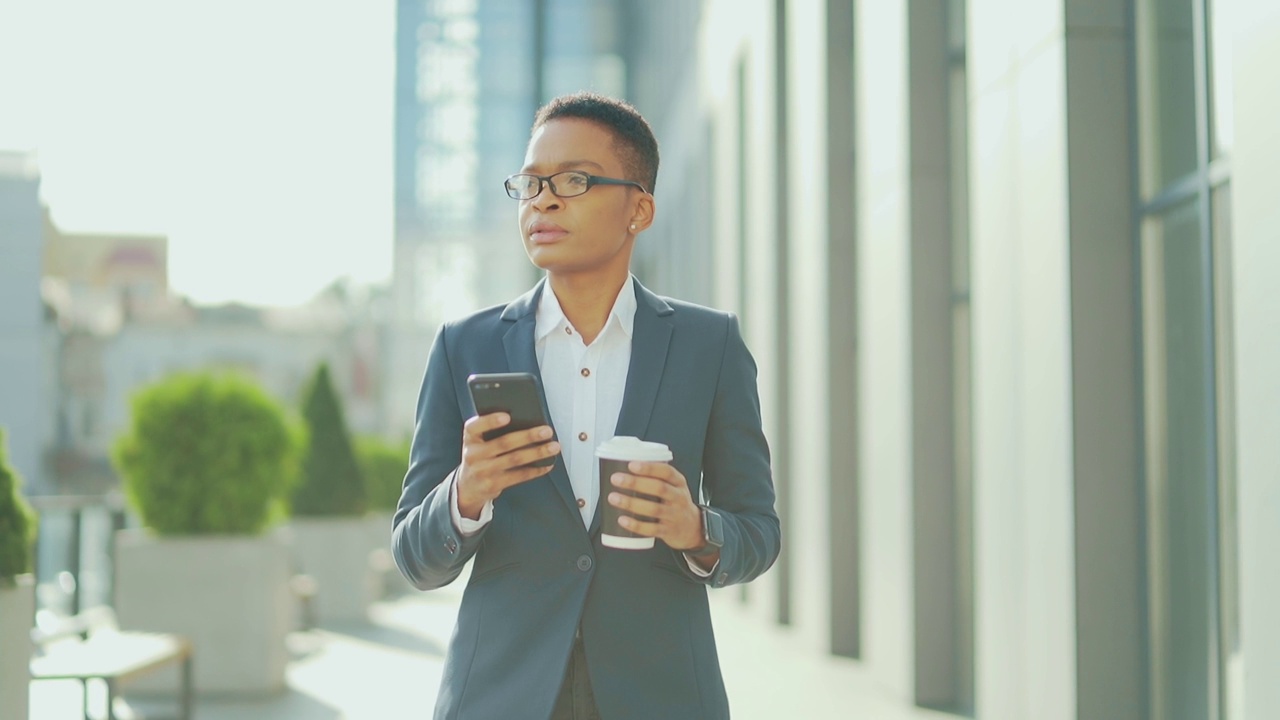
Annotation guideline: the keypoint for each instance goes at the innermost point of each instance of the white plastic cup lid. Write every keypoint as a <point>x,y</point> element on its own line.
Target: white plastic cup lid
<point>626,447</point>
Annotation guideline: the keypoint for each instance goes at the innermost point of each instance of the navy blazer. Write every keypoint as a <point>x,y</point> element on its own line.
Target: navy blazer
<point>539,574</point>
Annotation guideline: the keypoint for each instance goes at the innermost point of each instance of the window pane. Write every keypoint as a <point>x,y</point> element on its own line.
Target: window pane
<point>1166,92</point>
<point>1221,96</point>
<point>1179,452</point>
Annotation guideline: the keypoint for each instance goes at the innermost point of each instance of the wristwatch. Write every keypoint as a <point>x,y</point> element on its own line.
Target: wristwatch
<point>712,533</point>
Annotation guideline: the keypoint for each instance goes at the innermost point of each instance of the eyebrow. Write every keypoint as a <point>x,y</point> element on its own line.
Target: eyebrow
<point>571,164</point>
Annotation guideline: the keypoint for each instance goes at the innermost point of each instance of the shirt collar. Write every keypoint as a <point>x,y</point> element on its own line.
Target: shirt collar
<point>551,316</point>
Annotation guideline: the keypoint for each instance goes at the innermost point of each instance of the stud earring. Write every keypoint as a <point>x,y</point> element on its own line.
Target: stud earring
<point>633,226</point>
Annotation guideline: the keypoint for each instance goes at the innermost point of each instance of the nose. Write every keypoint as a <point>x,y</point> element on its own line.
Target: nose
<point>545,199</point>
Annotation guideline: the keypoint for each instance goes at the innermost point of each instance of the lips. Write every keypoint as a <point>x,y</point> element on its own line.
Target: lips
<point>542,233</point>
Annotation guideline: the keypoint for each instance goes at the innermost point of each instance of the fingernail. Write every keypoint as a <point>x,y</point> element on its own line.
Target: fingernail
<point>545,432</point>
<point>615,498</point>
<point>553,447</point>
<point>504,418</point>
<point>619,479</point>
<point>636,466</point>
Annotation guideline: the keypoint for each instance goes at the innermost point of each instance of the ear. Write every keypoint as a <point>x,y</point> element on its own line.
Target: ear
<point>642,214</point>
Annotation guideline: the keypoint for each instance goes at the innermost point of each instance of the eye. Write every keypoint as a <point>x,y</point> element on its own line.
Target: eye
<point>524,184</point>
<point>575,181</point>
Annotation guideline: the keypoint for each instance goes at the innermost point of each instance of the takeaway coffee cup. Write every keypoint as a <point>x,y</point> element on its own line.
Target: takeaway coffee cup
<point>614,454</point>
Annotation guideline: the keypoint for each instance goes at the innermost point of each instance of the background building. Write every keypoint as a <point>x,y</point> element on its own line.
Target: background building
<point>1005,268</point>
<point>470,75</point>
<point>25,379</point>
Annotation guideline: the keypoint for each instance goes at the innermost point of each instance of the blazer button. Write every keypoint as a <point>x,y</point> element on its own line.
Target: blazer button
<point>584,562</point>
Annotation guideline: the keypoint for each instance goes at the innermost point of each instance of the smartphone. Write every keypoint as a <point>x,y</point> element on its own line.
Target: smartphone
<point>515,394</point>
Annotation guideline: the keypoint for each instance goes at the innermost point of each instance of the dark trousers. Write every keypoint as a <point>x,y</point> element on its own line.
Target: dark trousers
<point>576,701</point>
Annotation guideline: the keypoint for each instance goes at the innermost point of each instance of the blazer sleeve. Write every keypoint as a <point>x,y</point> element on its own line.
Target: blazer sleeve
<point>736,476</point>
<point>427,548</point>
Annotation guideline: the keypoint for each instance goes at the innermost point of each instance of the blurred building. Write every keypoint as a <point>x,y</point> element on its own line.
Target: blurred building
<point>1008,269</point>
<point>469,76</point>
<point>25,380</point>
<point>1008,272</point>
<point>101,280</point>
<point>117,328</point>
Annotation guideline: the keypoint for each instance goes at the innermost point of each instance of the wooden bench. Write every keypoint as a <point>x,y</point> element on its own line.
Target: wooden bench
<point>90,646</point>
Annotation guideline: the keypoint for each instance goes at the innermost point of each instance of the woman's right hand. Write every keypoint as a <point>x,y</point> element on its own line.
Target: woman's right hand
<point>490,467</point>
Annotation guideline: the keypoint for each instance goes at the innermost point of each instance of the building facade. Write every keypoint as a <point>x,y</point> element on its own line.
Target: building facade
<point>25,379</point>
<point>1007,268</point>
<point>469,76</point>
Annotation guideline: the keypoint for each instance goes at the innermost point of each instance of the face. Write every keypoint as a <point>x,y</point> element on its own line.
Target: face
<point>589,233</point>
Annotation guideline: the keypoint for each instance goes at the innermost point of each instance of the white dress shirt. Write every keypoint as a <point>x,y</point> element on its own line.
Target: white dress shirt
<point>584,385</point>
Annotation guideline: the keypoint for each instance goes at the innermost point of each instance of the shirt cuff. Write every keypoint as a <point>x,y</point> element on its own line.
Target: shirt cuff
<point>467,527</point>
<point>696,568</point>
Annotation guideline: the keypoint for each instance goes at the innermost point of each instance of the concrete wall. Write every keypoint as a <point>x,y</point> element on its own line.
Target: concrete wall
<point>1256,225</point>
<point>1025,625</point>
<point>883,341</point>
<point>808,319</point>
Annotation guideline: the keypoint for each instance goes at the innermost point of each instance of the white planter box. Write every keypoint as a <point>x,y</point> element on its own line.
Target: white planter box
<point>391,584</point>
<point>336,553</point>
<point>229,594</point>
<point>17,609</point>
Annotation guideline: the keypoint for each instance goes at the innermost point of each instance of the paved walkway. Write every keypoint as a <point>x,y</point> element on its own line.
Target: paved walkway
<point>390,668</point>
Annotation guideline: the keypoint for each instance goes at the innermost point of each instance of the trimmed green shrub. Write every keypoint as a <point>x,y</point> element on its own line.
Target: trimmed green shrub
<point>331,483</point>
<point>384,465</point>
<point>206,455</point>
<point>17,521</point>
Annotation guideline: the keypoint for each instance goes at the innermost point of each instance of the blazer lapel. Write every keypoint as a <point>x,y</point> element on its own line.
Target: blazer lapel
<point>518,342</point>
<point>650,340</point>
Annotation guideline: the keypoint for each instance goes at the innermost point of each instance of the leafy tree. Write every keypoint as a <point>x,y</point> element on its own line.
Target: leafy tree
<point>383,464</point>
<point>17,521</point>
<point>331,483</point>
<point>205,455</point>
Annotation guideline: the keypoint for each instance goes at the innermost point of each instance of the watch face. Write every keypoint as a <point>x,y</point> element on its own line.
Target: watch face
<point>714,525</point>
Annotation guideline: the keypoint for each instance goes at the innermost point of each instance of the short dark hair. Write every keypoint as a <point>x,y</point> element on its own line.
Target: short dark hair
<point>632,137</point>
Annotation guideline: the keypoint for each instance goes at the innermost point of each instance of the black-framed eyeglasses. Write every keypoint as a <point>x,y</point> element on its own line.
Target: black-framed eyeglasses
<point>570,183</point>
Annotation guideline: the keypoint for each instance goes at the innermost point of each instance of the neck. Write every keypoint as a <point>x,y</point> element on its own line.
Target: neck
<point>586,301</point>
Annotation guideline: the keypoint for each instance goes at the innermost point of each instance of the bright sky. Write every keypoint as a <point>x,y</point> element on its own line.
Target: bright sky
<point>256,134</point>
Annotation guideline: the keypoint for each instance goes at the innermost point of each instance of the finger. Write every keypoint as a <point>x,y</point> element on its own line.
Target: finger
<point>477,426</point>
<point>638,506</point>
<point>526,455</point>
<point>648,485</point>
<point>662,471</point>
<point>517,476</point>
<point>640,527</point>
<point>521,438</point>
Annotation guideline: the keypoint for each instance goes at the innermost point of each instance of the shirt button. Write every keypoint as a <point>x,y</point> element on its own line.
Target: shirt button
<point>582,503</point>
<point>582,436</point>
<point>586,372</point>
<point>584,563</point>
<point>568,331</point>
